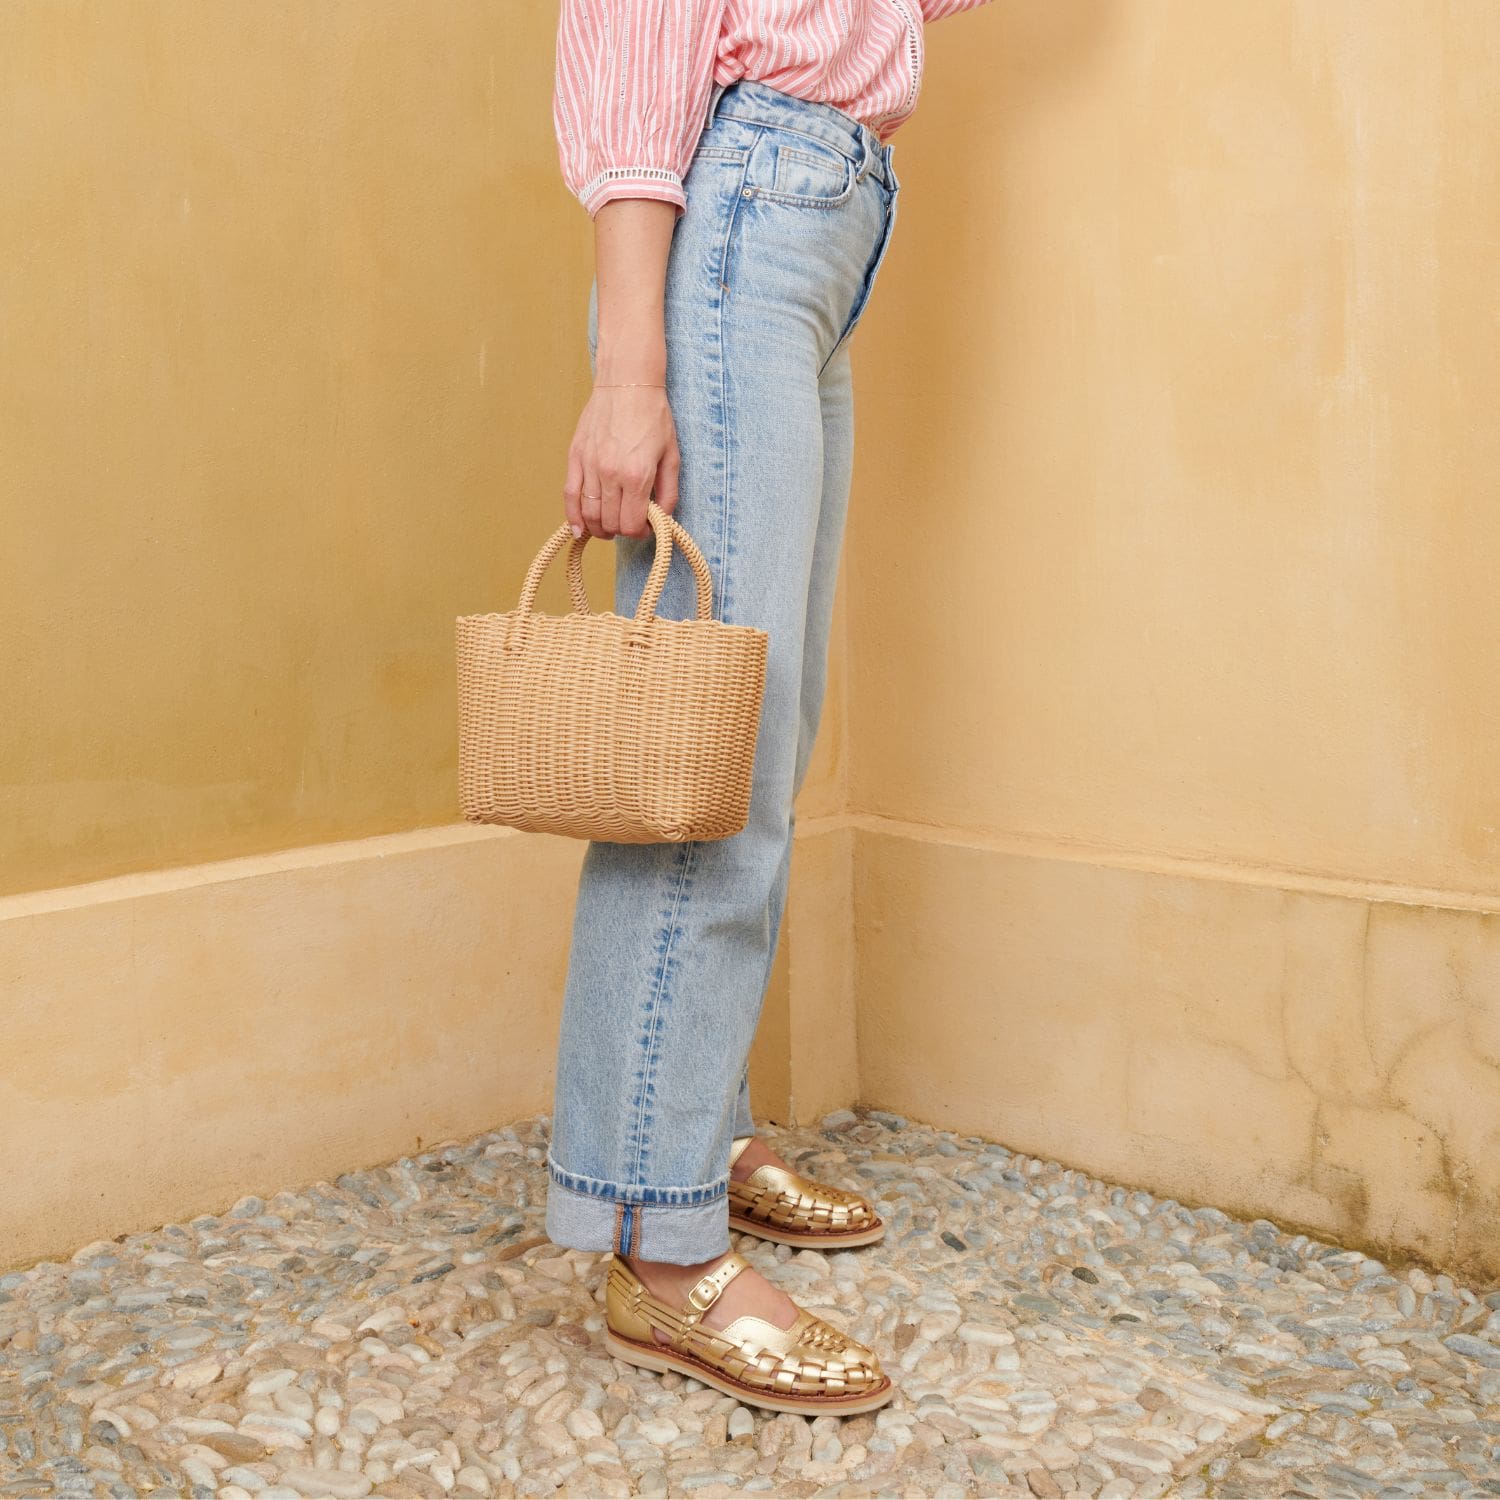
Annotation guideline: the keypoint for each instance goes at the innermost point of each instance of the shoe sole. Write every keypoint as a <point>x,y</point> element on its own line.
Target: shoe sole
<point>808,1241</point>
<point>663,1360</point>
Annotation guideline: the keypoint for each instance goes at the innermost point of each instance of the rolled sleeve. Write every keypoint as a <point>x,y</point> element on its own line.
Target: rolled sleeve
<point>660,183</point>
<point>632,84</point>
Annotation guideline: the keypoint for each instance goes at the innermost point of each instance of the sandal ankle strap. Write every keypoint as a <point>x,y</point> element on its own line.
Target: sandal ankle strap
<point>711,1287</point>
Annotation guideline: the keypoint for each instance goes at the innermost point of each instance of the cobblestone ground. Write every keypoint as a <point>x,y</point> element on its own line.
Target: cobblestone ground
<point>406,1331</point>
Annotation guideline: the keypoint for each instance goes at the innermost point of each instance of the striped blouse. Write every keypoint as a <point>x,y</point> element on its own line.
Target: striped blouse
<point>634,76</point>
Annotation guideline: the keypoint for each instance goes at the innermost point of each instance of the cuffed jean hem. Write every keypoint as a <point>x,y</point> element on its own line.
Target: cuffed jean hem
<point>684,1233</point>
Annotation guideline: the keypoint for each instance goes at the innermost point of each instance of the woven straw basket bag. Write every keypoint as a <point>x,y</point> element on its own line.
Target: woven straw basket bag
<point>634,731</point>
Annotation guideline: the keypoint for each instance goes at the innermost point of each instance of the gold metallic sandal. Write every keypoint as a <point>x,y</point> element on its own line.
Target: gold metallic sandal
<point>777,1204</point>
<point>810,1368</point>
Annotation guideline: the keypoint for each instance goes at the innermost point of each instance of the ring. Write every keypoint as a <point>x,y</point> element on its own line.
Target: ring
<point>590,497</point>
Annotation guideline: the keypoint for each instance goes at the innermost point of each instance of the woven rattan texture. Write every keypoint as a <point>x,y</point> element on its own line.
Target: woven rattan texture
<point>631,730</point>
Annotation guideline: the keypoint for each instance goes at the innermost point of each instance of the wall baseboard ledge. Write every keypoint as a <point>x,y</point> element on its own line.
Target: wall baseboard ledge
<point>246,867</point>
<point>1322,1053</point>
<point>1189,866</point>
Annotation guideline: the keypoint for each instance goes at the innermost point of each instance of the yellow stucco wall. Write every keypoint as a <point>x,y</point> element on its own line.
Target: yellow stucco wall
<point>294,312</point>
<point>294,307</point>
<point>1177,548</point>
<point>176,1040</point>
<point>1189,347</point>
<point>1276,1049</point>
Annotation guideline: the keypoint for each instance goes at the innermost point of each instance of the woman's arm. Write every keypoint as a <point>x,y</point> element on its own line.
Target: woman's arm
<point>625,444</point>
<point>631,89</point>
<point>632,86</point>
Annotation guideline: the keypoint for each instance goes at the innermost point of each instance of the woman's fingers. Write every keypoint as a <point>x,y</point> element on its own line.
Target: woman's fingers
<point>593,500</point>
<point>581,488</point>
<point>667,474</point>
<point>622,450</point>
<point>635,491</point>
<point>573,492</point>
<point>658,482</point>
<point>610,510</point>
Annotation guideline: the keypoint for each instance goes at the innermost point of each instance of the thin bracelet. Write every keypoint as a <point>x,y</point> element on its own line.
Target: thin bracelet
<point>621,384</point>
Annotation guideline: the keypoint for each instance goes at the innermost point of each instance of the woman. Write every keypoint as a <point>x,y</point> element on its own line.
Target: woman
<point>733,157</point>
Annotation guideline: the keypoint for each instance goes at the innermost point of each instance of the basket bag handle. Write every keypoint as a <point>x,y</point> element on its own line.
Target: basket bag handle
<point>667,531</point>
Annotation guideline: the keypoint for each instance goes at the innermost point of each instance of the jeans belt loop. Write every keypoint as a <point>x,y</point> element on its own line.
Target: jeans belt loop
<point>865,160</point>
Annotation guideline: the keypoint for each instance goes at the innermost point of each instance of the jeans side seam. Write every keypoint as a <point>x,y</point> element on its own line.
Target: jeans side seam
<point>776,907</point>
<point>726,427</point>
<point>660,999</point>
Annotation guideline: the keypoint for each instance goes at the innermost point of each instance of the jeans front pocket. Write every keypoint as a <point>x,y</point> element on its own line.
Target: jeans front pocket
<point>799,170</point>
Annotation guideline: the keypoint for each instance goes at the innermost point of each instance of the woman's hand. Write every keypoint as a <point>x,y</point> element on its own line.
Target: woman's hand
<point>624,453</point>
<point>625,446</point>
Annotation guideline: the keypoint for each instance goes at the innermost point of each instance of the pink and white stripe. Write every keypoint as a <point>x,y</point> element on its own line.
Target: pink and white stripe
<point>634,76</point>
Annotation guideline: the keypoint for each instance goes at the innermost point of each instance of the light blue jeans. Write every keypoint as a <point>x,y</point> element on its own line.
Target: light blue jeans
<point>790,207</point>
